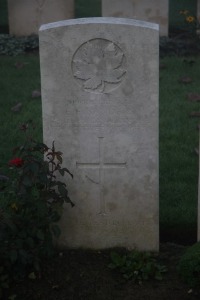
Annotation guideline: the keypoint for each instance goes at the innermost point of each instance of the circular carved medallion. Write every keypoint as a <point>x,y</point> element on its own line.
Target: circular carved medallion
<point>99,66</point>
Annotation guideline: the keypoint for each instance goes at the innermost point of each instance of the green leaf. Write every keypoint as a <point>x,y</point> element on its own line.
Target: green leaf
<point>32,276</point>
<point>67,171</point>
<point>62,172</point>
<point>23,234</point>
<point>55,217</point>
<point>59,158</point>
<point>117,259</point>
<point>19,243</point>
<point>62,190</point>
<point>13,255</point>
<point>68,200</point>
<point>23,254</point>
<point>27,181</point>
<point>40,235</point>
<point>30,242</point>
<point>12,297</point>
<point>41,147</point>
<point>158,276</point>
<point>34,168</point>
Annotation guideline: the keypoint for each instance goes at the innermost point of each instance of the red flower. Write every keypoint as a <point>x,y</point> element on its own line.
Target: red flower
<point>17,162</point>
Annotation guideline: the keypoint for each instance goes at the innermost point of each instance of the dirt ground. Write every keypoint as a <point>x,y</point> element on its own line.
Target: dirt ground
<point>81,275</point>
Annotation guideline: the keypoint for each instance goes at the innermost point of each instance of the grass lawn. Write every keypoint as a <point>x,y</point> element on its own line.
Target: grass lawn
<point>87,8</point>
<point>178,139</point>
<point>20,75</point>
<point>17,85</point>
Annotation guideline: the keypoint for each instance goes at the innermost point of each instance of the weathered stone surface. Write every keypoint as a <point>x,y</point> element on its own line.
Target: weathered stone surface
<point>155,11</point>
<point>26,16</point>
<point>100,106</point>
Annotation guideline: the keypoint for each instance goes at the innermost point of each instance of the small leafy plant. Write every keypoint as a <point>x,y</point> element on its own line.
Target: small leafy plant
<point>11,45</point>
<point>184,39</point>
<point>4,283</point>
<point>189,265</point>
<point>191,22</point>
<point>137,266</point>
<point>31,204</point>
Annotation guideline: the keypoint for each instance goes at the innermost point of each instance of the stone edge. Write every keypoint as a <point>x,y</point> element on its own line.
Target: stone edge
<point>100,20</point>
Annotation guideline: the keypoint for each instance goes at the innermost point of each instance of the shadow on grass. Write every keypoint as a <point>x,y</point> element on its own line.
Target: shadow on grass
<point>4,29</point>
<point>184,235</point>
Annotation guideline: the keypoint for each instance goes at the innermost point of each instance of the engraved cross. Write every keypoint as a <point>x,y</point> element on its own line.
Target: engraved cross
<point>101,166</point>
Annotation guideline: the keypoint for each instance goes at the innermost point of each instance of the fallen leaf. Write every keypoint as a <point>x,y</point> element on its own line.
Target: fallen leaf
<point>163,66</point>
<point>32,276</point>
<point>193,97</point>
<point>195,114</point>
<point>4,178</point>
<point>19,65</point>
<point>36,94</point>
<point>17,107</point>
<point>189,62</point>
<point>185,79</point>
<point>55,287</point>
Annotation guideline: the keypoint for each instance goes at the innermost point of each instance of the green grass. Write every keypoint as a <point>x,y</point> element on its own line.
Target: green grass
<point>178,139</point>
<point>178,131</point>
<point>16,87</point>
<point>176,20</point>
<point>87,8</point>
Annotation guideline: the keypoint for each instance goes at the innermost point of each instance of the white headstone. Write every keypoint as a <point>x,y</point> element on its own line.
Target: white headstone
<point>100,106</point>
<point>26,16</point>
<point>155,11</point>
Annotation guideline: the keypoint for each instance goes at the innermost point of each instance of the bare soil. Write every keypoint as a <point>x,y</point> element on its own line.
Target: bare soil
<point>81,275</point>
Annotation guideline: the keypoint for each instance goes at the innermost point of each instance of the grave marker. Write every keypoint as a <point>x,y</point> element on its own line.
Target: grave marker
<point>100,105</point>
<point>26,16</point>
<point>155,11</point>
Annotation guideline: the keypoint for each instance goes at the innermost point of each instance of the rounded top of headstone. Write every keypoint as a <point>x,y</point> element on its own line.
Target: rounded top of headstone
<point>100,20</point>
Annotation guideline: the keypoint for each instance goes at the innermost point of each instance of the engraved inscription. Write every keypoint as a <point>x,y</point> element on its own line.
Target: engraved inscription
<point>100,166</point>
<point>99,66</point>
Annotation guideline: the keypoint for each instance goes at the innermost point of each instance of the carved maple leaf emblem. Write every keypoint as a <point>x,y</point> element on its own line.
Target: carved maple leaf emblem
<point>99,63</point>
